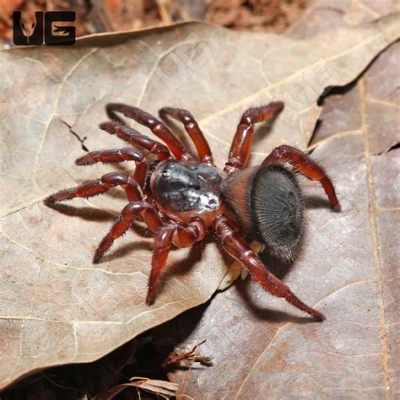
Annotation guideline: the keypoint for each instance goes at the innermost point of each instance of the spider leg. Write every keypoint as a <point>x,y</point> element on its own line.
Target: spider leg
<point>119,155</point>
<point>132,211</point>
<point>162,246</point>
<point>240,251</point>
<point>306,166</point>
<point>193,130</point>
<point>240,149</point>
<point>155,125</point>
<point>177,235</point>
<point>111,156</point>
<point>135,138</point>
<point>98,186</point>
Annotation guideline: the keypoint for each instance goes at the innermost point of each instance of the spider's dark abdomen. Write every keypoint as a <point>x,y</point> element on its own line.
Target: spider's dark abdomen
<point>276,209</point>
<point>185,186</point>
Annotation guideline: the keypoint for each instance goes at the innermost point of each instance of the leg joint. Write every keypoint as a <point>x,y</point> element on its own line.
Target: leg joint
<point>115,178</point>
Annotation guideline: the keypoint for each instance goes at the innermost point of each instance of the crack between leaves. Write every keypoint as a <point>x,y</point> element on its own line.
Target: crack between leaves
<point>375,239</point>
<point>341,134</point>
<point>396,146</point>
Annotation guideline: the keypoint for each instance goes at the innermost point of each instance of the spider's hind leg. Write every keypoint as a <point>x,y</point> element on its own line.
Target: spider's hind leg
<point>240,251</point>
<point>239,152</point>
<point>306,166</point>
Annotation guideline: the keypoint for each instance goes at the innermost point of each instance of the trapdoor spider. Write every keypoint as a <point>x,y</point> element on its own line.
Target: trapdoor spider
<point>180,198</point>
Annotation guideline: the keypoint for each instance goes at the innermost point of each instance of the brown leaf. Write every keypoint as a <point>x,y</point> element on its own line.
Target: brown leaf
<point>322,15</point>
<point>348,269</point>
<point>163,389</point>
<point>56,307</point>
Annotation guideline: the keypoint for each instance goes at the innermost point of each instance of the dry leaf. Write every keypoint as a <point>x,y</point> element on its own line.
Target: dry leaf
<point>349,270</point>
<point>55,306</point>
<point>322,15</point>
<point>163,389</point>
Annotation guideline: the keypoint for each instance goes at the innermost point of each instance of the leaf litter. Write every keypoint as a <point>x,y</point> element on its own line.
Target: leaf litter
<point>56,307</point>
<point>352,263</point>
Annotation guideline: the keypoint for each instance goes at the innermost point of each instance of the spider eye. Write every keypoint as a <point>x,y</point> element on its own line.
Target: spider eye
<point>276,209</point>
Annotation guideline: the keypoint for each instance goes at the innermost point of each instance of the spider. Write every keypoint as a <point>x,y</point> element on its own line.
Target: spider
<point>181,197</point>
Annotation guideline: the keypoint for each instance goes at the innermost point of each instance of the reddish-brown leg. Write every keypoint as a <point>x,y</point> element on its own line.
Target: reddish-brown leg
<point>239,250</point>
<point>193,130</point>
<point>187,235</point>
<point>162,246</point>
<point>140,173</point>
<point>135,138</point>
<point>132,211</point>
<point>111,156</point>
<point>240,149</point>
<point>156,126</point>
<point>177,235</point>
<point>98,186</point>
<point>119,155</point>
<point>306,166</point>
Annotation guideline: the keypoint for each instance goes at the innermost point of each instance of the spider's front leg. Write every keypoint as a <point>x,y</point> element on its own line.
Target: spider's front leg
<point>98,186</point>
<point>241,145</point>
<point>131,211</point>
<point>155,125</point>
<point>306,166</point>
<point>165,237</point>
<point>177,235</point>
<point>111,156</point>
<point>119,155</point>
<point>135,138</point>
<point>239,250</point>
<point>193,130</point>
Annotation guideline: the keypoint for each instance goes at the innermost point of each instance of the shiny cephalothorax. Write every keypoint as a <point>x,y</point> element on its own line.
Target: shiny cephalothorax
<point>181,187</point>
<point>181,198</point>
